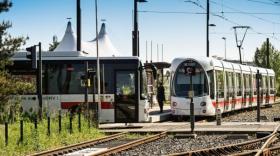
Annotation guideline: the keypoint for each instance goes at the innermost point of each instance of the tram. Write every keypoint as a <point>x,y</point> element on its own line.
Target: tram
<point>218,85</point>
<point>123,85</point>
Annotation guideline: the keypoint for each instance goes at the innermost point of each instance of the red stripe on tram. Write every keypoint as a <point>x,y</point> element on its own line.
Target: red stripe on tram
<point>107,105</point>
<point>237,101</point>
<point>67,105</point>
<point>104,105</point>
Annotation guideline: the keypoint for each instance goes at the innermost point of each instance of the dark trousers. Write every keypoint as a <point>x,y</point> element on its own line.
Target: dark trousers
<point>160,103</point>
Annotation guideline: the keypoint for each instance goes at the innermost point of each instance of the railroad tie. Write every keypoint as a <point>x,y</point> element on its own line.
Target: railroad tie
<point>266,152</point>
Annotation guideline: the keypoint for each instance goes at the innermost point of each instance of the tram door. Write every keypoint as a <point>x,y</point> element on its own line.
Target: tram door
<point>125,96</point>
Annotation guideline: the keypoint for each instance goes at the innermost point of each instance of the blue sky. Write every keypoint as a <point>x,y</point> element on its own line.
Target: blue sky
<point>182,34</point>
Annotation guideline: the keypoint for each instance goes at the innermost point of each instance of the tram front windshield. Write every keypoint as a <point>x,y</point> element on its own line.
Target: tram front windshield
<point>182,84</point>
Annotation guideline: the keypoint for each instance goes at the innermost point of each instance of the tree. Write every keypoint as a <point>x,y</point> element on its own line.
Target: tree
<point>54,44</point>
<point>9,85</point>
<point>260,60</point>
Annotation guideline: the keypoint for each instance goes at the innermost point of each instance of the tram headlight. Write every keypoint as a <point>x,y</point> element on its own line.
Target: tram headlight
<point>203,103</point>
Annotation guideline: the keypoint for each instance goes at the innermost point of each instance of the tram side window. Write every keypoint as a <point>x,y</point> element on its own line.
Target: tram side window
<point>263,84</point>
<point>254,85</point>
<point>271,85</point>
<point>233,84</point>
<point>238,84</point>
<point>229,84</point>
<point>143,84</point>
<point>211,83</point>
<point>220,83</point>
<point>64,78</point>
<point>250,85</point>
<point>244,84</point>
<point>267,84</point>
<point>247,84</point>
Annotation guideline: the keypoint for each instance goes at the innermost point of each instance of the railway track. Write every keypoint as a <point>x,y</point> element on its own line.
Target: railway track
<point>75,147</point>
<point>130,145</point>
<point>256,147</point>
<point>108,151</point>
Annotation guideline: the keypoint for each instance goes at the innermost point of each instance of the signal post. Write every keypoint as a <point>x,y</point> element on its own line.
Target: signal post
<point>189,69</point>
<point>33,57</point>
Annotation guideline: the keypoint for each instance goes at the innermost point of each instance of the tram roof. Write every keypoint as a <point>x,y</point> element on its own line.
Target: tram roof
<point>70,55</point>
<point>209,63</point>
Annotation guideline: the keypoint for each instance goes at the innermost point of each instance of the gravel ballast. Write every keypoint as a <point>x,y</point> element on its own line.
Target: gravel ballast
<point>169,145</point>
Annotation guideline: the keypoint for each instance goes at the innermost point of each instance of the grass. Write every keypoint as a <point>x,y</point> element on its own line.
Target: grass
<point>35,141</point>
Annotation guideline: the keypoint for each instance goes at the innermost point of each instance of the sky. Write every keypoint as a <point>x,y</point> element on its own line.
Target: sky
<point>178,25</point>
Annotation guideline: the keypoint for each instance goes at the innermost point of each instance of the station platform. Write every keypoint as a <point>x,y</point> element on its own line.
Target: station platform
<point>184,127</point>
<point>156,116</point>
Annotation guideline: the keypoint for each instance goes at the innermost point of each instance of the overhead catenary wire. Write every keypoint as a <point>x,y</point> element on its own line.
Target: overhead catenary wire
<point>274,3</point>
<point>242,12</point>
<point>231,21</point>
<point>203,13</point>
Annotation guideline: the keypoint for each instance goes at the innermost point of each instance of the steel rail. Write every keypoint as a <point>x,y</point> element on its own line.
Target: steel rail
<point>269,141</point>
<point>229,149</point>
<point>79,146</point>
<point>130,145</point>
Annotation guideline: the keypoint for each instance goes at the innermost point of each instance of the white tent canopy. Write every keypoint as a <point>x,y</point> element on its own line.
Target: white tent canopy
<point>69,43</point>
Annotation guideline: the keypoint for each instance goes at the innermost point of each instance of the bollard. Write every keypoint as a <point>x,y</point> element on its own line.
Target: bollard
<point>21,131</point>
<point>79,121</point>
<point>49,126</point>
<point>6,133</point>
<point>59,122</point>
<point>219,117</point>
<point>35,123</point>
<point>70,125</point>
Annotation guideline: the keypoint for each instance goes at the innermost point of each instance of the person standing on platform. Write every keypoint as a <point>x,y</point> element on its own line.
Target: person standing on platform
<point>160,96</point>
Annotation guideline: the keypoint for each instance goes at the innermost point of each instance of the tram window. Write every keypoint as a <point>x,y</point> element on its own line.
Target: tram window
<point>264,84</point>
<point>126,83</point>
<point>143,84</point>
<point>267,84</point>
<point>233,84</point>
<point>211,83</point>
<point>220,83</point>
<point>238,84</point>
<point>230,90</point>
<point>64,78</point>
<point>246,84</point>
<point>182,83</point>
<point>271,85</point>
<point>254,85</point>
<point>250,84</point>
<point>228,81</point>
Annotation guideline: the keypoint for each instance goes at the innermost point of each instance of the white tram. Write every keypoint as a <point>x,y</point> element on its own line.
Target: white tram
<point>123,85</point>
<point>218,85</point>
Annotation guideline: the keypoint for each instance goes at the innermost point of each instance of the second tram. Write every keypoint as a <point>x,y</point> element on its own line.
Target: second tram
<point>123,85</point>
<point>218,85</point>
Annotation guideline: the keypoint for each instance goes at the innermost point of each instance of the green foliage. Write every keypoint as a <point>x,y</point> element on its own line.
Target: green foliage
<point>5,5</point>
<point>54,44</point>
<point>35,141</point>
<point>8,84</point>
<point>274,61</point>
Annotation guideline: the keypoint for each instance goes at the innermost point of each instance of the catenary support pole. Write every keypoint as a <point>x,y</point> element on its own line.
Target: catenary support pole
<point>207,29</point>
<point>78,25</point>
<point>40,82</point>
<point>98,66</point>
<point>267,53</point>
